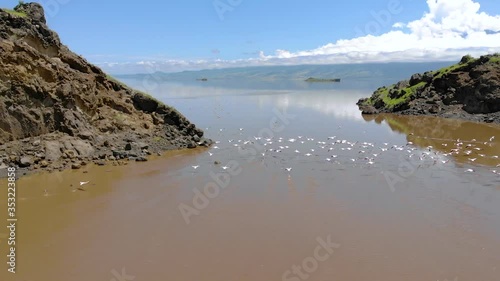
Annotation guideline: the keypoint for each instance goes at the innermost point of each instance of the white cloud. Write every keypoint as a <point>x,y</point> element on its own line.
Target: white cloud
<point>398,25</point>
<point>447,31</point>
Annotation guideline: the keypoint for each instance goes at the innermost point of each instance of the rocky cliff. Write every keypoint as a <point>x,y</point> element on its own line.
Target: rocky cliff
<point>57,110</point>
<point>468,90</point>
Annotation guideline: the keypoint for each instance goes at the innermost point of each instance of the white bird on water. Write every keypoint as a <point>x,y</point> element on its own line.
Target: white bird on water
<point>195,167</point>
<point>225,167</point>
<point>288,169</point>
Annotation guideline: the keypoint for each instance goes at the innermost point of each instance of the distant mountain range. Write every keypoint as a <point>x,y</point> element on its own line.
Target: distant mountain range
<point>300,72</point>
<point>366,76</point>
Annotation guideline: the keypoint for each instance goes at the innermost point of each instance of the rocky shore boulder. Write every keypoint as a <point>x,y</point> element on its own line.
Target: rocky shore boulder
<point>53,101</point>
<point>468,90</point>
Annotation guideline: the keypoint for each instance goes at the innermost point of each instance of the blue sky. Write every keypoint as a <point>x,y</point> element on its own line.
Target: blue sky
<point>194,34</point>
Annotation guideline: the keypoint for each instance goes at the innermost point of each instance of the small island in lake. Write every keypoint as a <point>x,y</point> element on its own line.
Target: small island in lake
<point>312,79</point>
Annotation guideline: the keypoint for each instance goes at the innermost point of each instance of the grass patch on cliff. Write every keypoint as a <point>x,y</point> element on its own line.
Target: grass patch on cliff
<point>495,59</point>
<point>405,95</point>
<point>391,103</point>
<point>466,60</point>
<point>16,13</point>
<point>443,71</point>
<point>391,98</point>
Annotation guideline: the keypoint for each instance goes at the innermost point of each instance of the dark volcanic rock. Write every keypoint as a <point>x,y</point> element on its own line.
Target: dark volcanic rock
<point>34,11</point>
<point>145,103</point>
<point>128,146</point>
<point>49,93</point>
<point>467,90</point>
<point>415,79</point>
<point>369,110</point>
<point>141,159</point>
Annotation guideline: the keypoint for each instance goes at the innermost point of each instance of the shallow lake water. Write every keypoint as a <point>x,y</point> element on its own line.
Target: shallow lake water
<point>299,186</point>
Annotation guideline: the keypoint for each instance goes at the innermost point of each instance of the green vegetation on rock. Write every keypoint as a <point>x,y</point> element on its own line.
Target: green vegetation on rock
<point>18,10</point>
<point>464,62</point>
<point>463,89</point>
<point>495,59</point>
<point>391,97</point>
<point>15,13</point>
<point>443,71</point>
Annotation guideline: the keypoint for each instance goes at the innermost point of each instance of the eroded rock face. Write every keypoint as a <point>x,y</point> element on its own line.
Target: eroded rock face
<point>47,90</point>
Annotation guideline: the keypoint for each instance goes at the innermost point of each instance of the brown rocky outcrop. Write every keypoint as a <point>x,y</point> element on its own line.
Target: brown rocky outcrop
<point>57,109</point>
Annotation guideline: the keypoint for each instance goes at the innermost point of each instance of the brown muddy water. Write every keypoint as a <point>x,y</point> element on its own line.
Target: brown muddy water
<point>306,189</point>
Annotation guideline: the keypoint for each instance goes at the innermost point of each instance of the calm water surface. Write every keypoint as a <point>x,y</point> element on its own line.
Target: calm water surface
<point>400,198</point>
